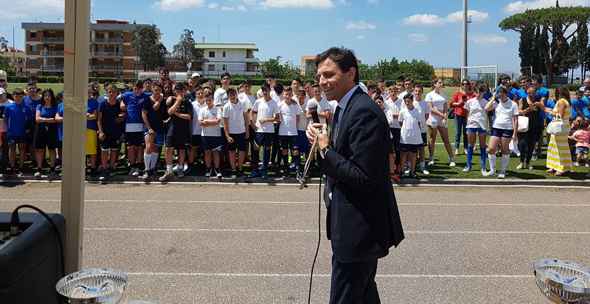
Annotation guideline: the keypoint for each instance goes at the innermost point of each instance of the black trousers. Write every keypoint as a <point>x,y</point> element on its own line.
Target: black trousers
<point>354,283</point>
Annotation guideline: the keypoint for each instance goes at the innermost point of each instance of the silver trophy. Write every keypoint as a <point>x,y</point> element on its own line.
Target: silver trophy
<point>90,286</point>
<point>563,281</point>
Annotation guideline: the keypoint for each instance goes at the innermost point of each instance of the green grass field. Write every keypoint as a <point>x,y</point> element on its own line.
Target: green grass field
<point>441,168</point>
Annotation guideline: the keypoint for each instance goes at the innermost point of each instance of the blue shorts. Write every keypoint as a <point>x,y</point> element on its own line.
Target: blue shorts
<point>239,142</point>
<point>289,142</point>
<point>503,133</point>
<point>264,139</point>
<point>582,150</point>
<point>302,142</point>
<point>134,138</point>
<point>12,140</point>
<point>476,131</point>
<point>214,143</point>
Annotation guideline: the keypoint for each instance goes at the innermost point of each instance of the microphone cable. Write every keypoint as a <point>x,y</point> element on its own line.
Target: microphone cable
<point>317,249</point>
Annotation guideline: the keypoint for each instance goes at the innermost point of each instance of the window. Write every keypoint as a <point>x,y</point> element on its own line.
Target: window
<point>224,67</point>
<point>33,35</point>
<point>223,54</point>
<point>211,68</point>
<point>211,54</point>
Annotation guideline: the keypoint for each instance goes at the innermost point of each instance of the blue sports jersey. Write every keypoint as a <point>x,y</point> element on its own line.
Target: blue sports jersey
<point>549,104</point>
<point>46,112</point>
<point>92,106</point>
<point>60,126</point>
<point>32,105</point>
<point>542,92</point>
<point>16,117</point>
<point>580,108</point>
<point>134,103</point>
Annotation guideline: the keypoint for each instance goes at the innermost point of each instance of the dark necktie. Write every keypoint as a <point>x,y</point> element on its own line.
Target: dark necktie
<point>335,125</point>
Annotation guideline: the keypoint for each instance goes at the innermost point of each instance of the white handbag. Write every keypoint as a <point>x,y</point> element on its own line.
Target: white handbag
<point>557,127</point>
<point>523,124</point>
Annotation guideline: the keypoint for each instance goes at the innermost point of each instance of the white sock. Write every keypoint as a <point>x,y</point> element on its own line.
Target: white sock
<point>505,162</point>
<point>492,160</point>
<point>146,161</point>
<point>154,160</point>
<point>169,168</point>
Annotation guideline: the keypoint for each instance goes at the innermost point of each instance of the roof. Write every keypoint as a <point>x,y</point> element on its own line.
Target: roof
<point>93,26</point>
<point>233,46</point>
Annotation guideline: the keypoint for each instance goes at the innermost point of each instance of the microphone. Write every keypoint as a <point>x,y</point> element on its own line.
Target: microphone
<point>313,151</point>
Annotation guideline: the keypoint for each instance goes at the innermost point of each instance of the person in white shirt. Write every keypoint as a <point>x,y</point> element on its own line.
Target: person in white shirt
<point>196,142</point>
<point>411,140</point>
<point>391,157</point>
<point>424,109</point>
<point>210,118</point>
<point>290,114</point>
<point>503,129</point>
<point>392,109</point>
<point>437,121</point>
<point>220,97</point>
<point>383,87</point>
<point>477,125</point>
<point>408,88</point>
<point>236,121</point>
<point>265,112</point>
<point>247,99</point>
<point>272,83</point>
<point>245,96</point>
<point>319,104</point>
<point>302,141</point>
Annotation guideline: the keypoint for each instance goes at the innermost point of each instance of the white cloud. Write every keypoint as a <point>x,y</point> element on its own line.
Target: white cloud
<point>20,9</point>
<point>476,16</point>
<point>418,37</point>
<point>424,20</point>
<point>489,39</point>
<point>315,4</point>
<point>521,6</point>
<point>176,5</point>
<point>360,25</point>
<point>213,5</point>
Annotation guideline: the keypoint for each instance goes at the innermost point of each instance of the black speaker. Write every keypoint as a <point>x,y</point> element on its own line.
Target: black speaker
<point>30,263</point>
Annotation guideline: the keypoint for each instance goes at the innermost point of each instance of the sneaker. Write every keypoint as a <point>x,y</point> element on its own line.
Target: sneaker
<point>534,158</point>
<point>209,173</point>
<point>489,173</point>
<point>456,152</point>
<point>167,176</point>
<point>576,164</point>
<point>103,176</point>
<point>520,166</point>
<point>175,168</point>
<point>186,168</point>
<point>502,175</point>
<point>219,175</point>
<point>587,165</point>
<point>531,167</point>
<point>425,172</point>
<point>466,169</point>
<point>452,164</point>
<point>431,163</point>
<point>483,172</point>
<point>135,172</point>
<point>465,151</point>
<point>234,174</point>
<point>145,175</point>
<point>37,174</point>
<point>180,174</point>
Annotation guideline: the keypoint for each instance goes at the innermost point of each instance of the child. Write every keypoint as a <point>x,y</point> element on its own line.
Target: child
<point>235,120</point>
<point>210,119</point>
<point>290,114</point>
<point>265,113</point>
<point>424,109</point>
<point>410,139</point>
<point>196,141</point>
<point>3,146</point>
<point>153,113</point>
<point>132,102</point>
<point>46,137</point>
<point>582,138</point>
<point>302,141</point>
<point>110,120</point>
<point>16,118</point>
<point>91,129</point>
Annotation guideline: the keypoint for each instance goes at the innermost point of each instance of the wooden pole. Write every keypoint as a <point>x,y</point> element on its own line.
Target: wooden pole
<point>76,48</point>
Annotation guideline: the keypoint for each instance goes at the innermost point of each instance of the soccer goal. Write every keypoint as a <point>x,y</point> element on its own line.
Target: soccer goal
<point>487,74</point>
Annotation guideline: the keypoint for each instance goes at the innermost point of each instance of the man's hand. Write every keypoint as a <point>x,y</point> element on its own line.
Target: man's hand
<point>316,131</point>
<point>230,139</point>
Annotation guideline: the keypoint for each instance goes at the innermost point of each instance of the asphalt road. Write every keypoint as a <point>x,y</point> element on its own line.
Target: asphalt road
<point>255,244</point>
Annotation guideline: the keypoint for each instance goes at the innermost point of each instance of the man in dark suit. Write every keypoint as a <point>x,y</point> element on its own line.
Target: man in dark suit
<point>362,219</point>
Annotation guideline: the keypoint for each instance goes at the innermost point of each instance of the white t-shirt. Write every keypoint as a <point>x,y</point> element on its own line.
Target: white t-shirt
<point>196,126</point>
<point>402,94</point>
<point>220,97</point>
<point>322,106</point>
<point>289,113</point>
<point>265,110</point>
<point>504,111</point>
<point>235,114</point>
<point>477,117</point>
<point>210,113</point>
<point>424,109</point>
<point>303,121</point>
<point>438,102</point>
<point>246,100</point>
<point>273,94</point>
<point>393,108</point>
<point>410,132</point>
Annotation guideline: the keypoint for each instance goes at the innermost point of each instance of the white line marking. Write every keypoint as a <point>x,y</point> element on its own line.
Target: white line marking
<point>423,232</point>
<point>204,202</point>
<point>325,275</point>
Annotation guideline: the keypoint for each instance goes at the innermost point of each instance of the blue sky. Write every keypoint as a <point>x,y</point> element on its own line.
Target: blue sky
<point>375,29</point>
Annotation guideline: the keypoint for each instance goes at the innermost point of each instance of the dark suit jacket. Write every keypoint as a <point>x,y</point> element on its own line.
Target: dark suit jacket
<point>363,220</point>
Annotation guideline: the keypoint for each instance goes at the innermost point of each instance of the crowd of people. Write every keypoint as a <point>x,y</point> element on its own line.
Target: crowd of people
<point>211,129</point>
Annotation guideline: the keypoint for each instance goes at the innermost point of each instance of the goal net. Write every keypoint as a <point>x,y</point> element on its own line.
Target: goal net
<point>485,74</point>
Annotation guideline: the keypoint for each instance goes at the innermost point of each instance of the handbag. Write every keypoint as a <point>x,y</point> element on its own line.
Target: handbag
<point>523,124</point>
<point>557,127</point>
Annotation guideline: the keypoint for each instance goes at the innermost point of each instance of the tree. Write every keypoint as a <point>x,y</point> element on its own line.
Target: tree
<point>526,48</point>
<point>555,23</point>
<point>186,50</point>
<point>582,48</point>
<point>279,70</point>
<point>3,44</point>
<point>151,52</point>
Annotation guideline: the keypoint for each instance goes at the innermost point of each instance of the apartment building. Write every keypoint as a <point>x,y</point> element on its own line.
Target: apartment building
<point>16,58</point>
<point>111,52</point>
<point>234,58</point>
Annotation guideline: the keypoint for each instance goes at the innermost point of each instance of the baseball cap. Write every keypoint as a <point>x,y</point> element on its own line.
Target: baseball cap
<point>195,75</point>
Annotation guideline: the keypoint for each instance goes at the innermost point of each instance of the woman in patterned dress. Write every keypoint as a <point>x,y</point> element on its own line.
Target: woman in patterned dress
<point>559,160</point>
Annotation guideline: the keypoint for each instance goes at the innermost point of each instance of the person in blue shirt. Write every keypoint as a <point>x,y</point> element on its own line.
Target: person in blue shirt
<point>91,128</point>
<point>134,127</point>
<point>46,137</point>
<point>542,95</point>
<point>110,122</point>
<point>4,101</point>
<point>16,116</point>
<point>580,106</point>
<point>31,101</point>
<point>60,129</point>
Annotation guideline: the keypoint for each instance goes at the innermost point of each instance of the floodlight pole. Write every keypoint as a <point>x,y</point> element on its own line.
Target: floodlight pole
<point>465,41</point>
<point>76,30</point>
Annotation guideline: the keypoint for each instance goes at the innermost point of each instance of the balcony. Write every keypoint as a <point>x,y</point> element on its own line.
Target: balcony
<point>106,68</point>
<point>53,39</point>
<point>107,54</point>
<point>52,53</point>
<point>52,68</point>
<point>108,40</point>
